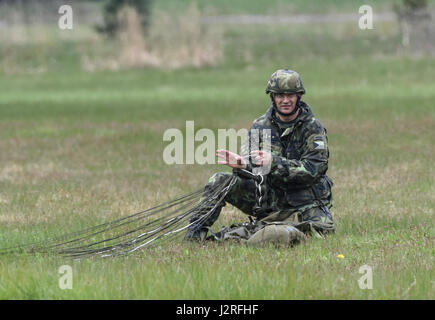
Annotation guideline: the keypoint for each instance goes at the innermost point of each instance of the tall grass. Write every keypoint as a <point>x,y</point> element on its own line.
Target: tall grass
<point>174,40</point>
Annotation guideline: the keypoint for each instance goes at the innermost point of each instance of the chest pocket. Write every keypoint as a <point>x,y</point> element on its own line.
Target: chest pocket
<point>293,148</point>
<point>276,150</point>
<point>276,147</point>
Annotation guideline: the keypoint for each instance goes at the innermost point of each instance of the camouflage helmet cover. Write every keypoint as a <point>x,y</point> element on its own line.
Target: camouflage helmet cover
<point>285,81</point>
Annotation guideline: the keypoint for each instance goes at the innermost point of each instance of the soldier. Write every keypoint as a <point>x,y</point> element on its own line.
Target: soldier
<point>293,199</point>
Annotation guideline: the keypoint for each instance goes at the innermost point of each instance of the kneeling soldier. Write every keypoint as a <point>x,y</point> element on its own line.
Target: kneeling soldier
<point>293,199</point>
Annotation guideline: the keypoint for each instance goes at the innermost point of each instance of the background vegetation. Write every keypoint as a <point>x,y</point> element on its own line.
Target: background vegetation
<point>81,125</point>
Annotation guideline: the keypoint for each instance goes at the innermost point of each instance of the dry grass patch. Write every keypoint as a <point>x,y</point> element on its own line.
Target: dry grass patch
<point>37,172</point>
<point>174,40</point>
<point>360,128</point>
<point>374,179</point>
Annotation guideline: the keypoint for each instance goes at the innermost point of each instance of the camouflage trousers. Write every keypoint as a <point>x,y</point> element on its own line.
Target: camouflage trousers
<point>287,226</point>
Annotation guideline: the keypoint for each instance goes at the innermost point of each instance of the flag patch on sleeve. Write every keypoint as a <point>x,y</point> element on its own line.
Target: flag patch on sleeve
<point>319,143</point>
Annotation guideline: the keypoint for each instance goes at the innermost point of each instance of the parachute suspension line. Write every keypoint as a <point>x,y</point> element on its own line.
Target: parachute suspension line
<point>203,217</point>
<point>79,236</point>
<point>82,249</point>
<point>137,231</point>
<point>170,227</point>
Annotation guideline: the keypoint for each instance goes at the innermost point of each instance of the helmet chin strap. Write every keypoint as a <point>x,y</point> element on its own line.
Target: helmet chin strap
<point>282,113</point>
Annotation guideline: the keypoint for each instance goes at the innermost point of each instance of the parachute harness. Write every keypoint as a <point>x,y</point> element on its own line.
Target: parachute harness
<point>259,181</point>
<point>258,191</point>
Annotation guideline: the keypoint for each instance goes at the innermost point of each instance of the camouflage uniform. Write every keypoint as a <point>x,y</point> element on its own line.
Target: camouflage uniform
<point>297,191</point>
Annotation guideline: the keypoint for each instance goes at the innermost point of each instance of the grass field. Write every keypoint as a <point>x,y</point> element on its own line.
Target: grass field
<point>79,148</point>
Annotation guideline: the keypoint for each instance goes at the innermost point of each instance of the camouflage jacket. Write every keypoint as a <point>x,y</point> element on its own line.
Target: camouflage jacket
<point>297,176</point>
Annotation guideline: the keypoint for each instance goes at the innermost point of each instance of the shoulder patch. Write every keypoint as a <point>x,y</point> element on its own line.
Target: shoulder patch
<point>319,145</point>
<point>317,142</point>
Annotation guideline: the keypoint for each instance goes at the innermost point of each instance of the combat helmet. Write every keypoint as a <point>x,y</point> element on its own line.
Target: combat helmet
<point>285,81</point>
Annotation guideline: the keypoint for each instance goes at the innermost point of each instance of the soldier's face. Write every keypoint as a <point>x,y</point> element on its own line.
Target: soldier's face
<point>285,102</point>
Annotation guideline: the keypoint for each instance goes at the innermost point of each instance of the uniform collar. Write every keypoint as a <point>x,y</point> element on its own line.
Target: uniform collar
<point>305,114</point>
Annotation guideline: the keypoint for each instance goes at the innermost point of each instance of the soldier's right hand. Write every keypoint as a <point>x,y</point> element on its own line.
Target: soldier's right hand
<point>230,159</point>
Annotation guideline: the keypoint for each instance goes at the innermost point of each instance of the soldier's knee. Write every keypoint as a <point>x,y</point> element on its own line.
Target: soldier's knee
<point>219,177</point>
<point>277,234</point>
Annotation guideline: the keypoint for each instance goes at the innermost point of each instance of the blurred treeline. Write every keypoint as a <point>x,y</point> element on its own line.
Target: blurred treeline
<point>119,34</point>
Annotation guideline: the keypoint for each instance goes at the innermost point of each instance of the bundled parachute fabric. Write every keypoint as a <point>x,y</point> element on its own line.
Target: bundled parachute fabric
<point>137,231</point>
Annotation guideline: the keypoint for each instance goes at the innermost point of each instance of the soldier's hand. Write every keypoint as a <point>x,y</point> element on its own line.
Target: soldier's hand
<point>261,158</point>
<point>230,159</point>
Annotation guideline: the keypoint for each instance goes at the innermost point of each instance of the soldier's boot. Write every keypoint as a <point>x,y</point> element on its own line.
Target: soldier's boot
<point>277,234</point>
<point>196,234</point>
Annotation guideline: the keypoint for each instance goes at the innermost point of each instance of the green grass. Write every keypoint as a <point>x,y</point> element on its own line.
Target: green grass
<point>79,148</point>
